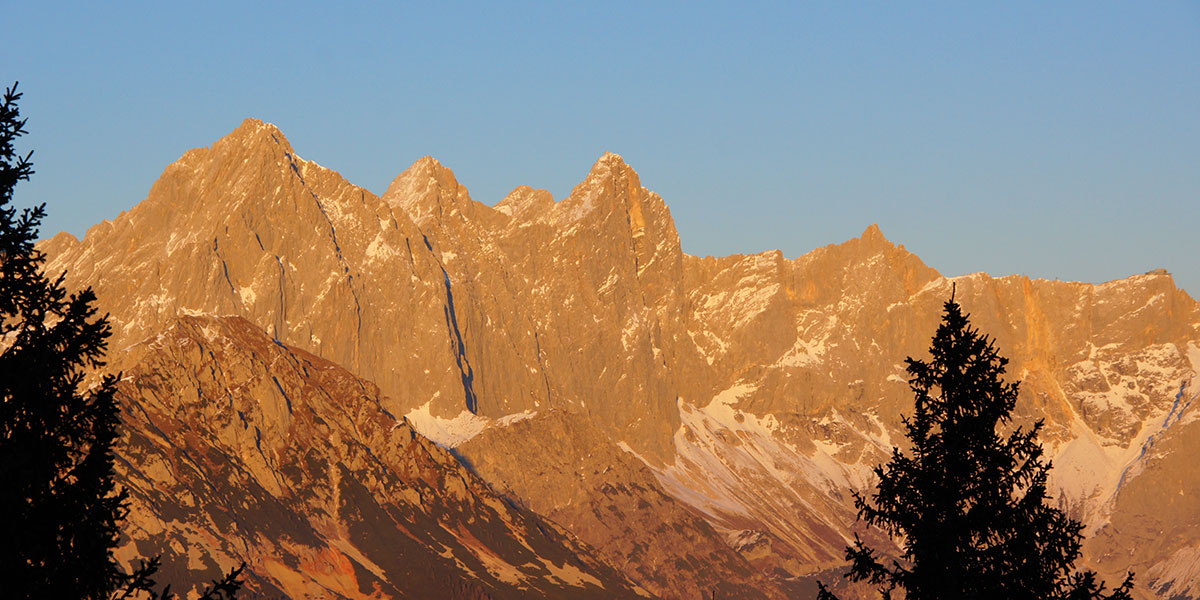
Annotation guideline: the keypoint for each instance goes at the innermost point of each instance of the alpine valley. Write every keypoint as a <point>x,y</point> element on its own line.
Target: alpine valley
<point>422,396</point>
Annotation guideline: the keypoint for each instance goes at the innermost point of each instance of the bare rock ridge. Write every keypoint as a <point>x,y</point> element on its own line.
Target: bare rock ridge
<point>697,423</point>
<point>241,448</point>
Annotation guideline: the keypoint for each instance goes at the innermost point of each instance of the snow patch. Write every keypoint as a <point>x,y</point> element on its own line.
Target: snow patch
<point>507,420</point>
<point>749,303</point>
<point>1179,573</point>
<point>457,430</point>
<point>446,432</point>
<point>579,208</point>
<point>713,347</point>
<point>940,285</point>
<point>247,295</point>
<point>731,464</point>
<point>630,331</point>
<point>380,250</point>
<point>627,448</point>
<point>1090,469</point>
<point>609,282</point>
<point>804,353</point>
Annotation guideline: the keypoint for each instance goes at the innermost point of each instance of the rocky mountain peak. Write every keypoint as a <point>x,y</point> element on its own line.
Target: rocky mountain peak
<point>612,192</point>
<point>610,168</point>
<point>608,187</point>
<point>425,190</point>
<point>610,160</point>
<point>525,201</point>
<point>873,235</point>
<point>254,136</point>
<point>252,165</point>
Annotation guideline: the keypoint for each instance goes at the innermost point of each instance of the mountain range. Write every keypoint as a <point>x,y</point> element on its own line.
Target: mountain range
<point>417,395</point>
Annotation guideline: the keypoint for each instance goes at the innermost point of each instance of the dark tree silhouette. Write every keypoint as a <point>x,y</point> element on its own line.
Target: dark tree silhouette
<point>967,503</point>
<point>59,506</point>
<point>141,581</point>
<point>58,499</point>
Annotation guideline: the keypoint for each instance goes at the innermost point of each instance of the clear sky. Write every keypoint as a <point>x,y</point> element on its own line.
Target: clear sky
<point>1057,140</point>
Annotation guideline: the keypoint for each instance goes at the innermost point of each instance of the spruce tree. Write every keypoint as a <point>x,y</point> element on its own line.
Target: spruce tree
<point>967,503</point>
<point>60,509</point>
<point>57,494</point>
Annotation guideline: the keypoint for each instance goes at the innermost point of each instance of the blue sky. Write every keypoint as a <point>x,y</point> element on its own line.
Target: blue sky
<point>1055,140</point>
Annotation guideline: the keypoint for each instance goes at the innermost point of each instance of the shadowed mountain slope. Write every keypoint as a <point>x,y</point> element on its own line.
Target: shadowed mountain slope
<point>242,449</point>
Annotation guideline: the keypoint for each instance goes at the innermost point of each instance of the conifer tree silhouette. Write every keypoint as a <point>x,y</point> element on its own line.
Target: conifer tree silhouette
<point>60,508</point>
<point>967,503</point>
<point>57,497</point>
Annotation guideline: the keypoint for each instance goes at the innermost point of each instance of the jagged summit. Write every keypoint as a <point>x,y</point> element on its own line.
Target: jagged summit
<point>611,158</point>
<point>254,134</point>
<point>872,240</point>
<point>525,201</point>
<point>611,186</point>
<point>426,167</point>
<point>417,176</point>
<point>610,165</point>
<point>252,125</point>
<point>426,190</point>
<point>427,162</point>
<point>873,234</point>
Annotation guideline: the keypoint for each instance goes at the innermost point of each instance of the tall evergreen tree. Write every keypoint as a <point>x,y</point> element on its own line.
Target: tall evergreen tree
<point>59,503</point>
<point>967,503</point>
<point>60,508</point>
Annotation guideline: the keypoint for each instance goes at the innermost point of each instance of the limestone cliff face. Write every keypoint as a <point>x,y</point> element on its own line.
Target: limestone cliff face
<point>717,411</point>
<point>548,288</point>
<point>246,227</point>
<point>240,448</point>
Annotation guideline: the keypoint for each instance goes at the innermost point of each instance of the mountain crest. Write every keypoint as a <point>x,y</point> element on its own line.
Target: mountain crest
<point>525,202</point>
<point>611,185</point>
<point>254,134</point>
<point>609,167</point>
<point>610,159</point>
<point>872,234</point>
<point>425,190</point>
<point>872,241</point>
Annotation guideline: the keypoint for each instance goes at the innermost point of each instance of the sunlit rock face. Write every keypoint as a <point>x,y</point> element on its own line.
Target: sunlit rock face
<point>699,422</point>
